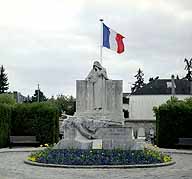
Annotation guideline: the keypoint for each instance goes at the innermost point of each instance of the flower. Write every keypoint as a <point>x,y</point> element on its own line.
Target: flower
<point>166,158</point>
<point>46,145</point>
<point>31,158</point>
<point>41,145</point>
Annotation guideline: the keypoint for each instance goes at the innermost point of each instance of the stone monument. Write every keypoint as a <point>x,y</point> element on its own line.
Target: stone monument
<point>98,121</point>
<point>98,97</point>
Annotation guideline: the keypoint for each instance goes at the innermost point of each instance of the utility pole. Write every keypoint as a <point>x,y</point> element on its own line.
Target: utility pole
<point>38,93</point>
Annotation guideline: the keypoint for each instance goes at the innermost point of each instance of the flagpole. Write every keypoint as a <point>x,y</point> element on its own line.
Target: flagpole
<point>101,41</point>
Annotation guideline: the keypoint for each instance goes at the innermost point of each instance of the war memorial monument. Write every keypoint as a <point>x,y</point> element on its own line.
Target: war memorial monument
<point>98,121</point>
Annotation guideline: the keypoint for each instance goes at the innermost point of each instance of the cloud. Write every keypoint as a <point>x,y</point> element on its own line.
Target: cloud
<point>54,42</point>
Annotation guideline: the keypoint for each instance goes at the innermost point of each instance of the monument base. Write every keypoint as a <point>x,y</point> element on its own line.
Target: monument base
<point>109,137</point>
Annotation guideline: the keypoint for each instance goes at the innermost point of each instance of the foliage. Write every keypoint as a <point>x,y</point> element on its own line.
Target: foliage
<point>152,79</point>
<point>188,68</point>
<point>3,80</point>
<point>139,82</point>
<point>65,103</point>
<point>38,96</point>
<point>173,120</point>
<point>39,119</point>
<point>5,119</point>
<point>98,157</point>
<point>153,150</point>
<point>6,98</point>
<point>36,155</point>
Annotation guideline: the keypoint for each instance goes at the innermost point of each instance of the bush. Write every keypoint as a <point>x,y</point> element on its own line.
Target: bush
<point>6,98</point>
<point>5,118</point>
<point>39,119</point>
<point>173,120</point>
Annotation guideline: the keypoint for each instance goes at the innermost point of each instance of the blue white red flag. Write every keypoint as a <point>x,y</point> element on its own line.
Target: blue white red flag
<point>112,39</point>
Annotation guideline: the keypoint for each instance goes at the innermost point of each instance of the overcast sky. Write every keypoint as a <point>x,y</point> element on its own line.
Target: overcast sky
<point>54,42</point>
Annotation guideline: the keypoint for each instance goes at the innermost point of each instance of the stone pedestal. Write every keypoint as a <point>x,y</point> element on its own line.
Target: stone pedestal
<point>102,102</point>
<point>110,138</point>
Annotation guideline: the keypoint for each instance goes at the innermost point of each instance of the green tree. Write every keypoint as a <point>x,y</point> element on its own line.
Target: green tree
<point>38,96</point>
<point>65,103</point>
<point>3,80</point>
<point>139,82</point>
<point>188,68</point>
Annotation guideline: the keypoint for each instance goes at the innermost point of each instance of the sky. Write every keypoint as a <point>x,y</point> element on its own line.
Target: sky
<point>55,42</point>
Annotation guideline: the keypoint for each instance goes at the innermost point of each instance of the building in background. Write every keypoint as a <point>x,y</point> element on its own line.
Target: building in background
<point>19,97</point>
<point>154,93</point>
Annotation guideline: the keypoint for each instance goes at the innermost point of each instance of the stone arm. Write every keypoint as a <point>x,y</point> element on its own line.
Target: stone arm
<point>104,73</point>
<point>84,132</point>
<point>90,75</point>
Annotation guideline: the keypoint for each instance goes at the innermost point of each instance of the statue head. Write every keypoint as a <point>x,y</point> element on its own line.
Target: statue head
<point>97,65</point>
<point>97,72</point>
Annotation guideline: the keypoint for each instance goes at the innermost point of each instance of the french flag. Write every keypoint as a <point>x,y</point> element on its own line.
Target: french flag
<point>112,39</point>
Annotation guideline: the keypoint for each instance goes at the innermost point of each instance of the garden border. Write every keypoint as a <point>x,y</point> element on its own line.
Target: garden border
<point>100,166</point>
<point>169,151</point>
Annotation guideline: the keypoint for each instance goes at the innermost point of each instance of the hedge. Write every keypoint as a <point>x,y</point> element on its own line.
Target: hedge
<point>173,120</point>
<point>5,119</point>
<point>39,119</point>
<point>7,98</point>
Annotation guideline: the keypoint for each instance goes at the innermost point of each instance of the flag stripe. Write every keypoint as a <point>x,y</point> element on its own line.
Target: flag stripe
<point>106,34</point>
<point>119,39</point>
<point>112,39</point>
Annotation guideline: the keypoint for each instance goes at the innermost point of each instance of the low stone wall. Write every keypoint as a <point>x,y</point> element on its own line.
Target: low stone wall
<point>147,125</point>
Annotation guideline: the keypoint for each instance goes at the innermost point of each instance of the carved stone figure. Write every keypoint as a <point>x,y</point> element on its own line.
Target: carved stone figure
<point>88,128</point>
<point>96,78</point>
<point>98,72</point>
<point>98,97</point>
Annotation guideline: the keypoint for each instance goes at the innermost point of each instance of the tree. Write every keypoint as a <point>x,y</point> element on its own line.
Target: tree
<point>139,82</point>
<point>38,96</point>
<point>152,79</point>
<point>188,68</point>
<point>3,80</point>
<point>65,103</point>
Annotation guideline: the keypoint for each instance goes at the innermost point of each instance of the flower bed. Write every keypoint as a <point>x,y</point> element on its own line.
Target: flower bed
<point>98,157</point>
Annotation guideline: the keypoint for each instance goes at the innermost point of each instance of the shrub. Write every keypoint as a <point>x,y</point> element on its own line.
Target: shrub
<point>5,118</point>
<point>39,119</point>
<point>173,120</point>
<point>6,98</point>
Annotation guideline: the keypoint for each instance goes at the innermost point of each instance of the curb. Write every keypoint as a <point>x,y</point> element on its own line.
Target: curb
<point>169,151</point>
<point>99,166</point>
<point>20,150</point>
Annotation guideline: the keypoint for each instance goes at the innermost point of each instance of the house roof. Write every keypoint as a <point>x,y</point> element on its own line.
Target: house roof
<point>163,86</point>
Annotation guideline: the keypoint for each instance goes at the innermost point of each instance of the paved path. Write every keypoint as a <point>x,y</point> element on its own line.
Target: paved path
<point>13,167</point>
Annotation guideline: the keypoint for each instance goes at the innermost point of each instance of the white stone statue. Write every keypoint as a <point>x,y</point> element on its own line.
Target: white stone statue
<point>96,78</point>
<point>97,73</point>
